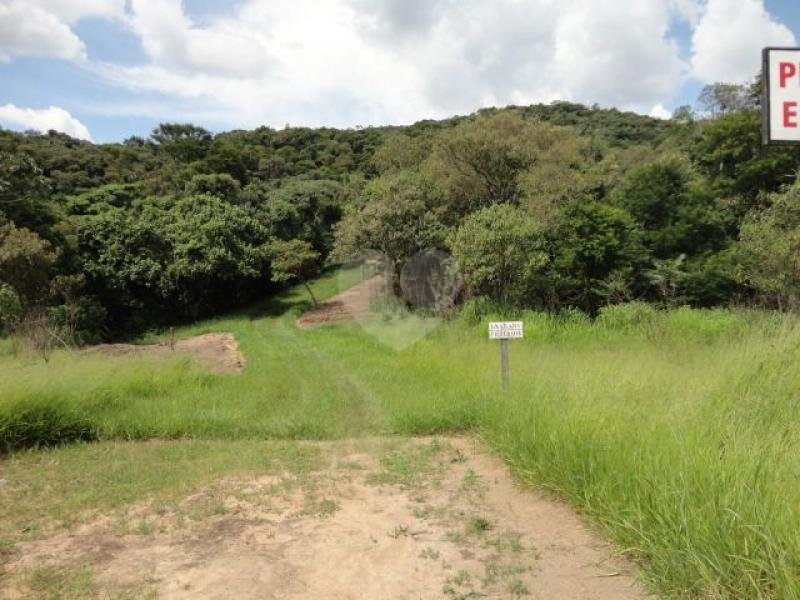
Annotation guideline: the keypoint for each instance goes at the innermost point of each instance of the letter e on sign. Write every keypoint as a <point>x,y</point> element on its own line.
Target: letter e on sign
<point>781,102</point>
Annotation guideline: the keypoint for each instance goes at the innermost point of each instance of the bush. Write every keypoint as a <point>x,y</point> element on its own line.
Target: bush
<point>10,308</point>
<point>499,251</point>
<point>42,424</point>
<point>80,321</point>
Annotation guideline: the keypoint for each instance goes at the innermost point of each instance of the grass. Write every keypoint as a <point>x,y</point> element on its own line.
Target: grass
<point>677,433</point>
<point>69,484</point>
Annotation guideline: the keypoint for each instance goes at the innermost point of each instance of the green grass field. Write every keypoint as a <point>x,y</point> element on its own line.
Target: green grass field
<point>677,433</point>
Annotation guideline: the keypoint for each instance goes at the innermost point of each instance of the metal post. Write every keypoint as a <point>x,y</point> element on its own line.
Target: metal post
<point>504,363</point>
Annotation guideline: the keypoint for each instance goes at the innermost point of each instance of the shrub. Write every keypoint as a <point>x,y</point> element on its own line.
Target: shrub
<point>10,308</point>
<point>41,424</point>
<point>499,251</point>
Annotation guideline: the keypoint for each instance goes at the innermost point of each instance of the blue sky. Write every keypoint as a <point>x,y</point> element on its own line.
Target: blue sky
<point>109,69</point>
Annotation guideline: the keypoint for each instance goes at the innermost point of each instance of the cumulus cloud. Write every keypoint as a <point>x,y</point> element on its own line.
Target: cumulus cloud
<point>351,62</point>
<point>660,112</point>
<point>595,60</point>
<point>58,119</point>
<point>229,47</point>
<point>31,31</point>
<point>42,27</point>
<point>348,62</point>
<point>72,11</point>
<point>727,42</point>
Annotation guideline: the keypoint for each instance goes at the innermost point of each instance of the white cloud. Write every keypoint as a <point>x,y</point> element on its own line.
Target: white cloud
<point>660,112</point>
<point>42,27</point>
<point>689,10</point>
<point>71,11</point>
<point>32,31</point>
<point>727,42</point>
<point>14,117</point>
<point>348,62</point>
<point>617,53</point>
<point>229,47</point>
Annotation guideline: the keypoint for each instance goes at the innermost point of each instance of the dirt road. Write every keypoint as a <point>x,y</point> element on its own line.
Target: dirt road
<point>389,519</point>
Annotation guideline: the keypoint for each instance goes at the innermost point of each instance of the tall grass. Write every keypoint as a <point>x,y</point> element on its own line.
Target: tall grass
<point>676,432</point>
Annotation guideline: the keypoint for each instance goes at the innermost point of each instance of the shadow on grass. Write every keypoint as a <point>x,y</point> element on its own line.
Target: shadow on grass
<point>291,300</point>
<point>274,307</point>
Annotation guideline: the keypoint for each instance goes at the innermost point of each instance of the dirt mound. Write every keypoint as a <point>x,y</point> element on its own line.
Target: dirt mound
<point>394,519</point>
<point>215,352</point>
<point>354,304</point>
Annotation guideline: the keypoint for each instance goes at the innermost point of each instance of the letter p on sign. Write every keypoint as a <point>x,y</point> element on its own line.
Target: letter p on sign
<point>781,103</point>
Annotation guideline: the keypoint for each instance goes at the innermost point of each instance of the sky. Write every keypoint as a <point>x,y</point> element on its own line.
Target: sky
<point>105,70</point>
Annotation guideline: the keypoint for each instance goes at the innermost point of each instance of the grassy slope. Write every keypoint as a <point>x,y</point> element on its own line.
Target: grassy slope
<point>679,435</point>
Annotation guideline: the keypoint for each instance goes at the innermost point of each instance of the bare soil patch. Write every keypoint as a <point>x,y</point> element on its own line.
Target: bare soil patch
<point>215,352</point>
<point>354,304</point>
<point>426,518</point>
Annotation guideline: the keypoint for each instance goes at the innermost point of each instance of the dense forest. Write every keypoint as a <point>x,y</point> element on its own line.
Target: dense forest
<point>548,207</point>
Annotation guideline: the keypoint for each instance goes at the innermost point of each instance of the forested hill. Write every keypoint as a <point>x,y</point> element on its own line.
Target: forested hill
<point>600,206</point>
<point>74,166</point>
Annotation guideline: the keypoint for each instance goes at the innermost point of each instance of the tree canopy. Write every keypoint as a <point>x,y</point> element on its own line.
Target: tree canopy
<point>545,206</point>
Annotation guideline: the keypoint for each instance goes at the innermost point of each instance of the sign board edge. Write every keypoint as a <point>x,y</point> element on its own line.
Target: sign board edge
<point>766,111</point>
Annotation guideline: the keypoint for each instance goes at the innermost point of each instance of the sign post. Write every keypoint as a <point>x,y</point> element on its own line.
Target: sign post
<point>504,331</point>
<point>781,102</point>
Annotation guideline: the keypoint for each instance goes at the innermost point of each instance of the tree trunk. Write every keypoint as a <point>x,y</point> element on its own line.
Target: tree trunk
<point>310,293</point>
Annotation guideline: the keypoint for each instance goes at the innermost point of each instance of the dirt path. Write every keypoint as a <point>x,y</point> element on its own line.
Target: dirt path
<point>388,519</point>
<point>216,352</point>
<point>353,304</point>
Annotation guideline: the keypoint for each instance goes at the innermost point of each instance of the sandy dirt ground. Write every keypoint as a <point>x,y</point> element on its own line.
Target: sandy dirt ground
<point>215,352</point>
<point>384,519</point>
<point>353,304</point>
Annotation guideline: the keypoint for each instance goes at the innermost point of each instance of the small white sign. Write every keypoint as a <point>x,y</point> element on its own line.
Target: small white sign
<point>781,106</point>
<point>505,330</point>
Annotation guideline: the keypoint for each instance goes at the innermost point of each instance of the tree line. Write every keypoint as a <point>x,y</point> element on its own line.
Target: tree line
<point>547,207</point>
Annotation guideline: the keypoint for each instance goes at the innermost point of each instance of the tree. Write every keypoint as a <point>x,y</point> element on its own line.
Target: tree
<point>677,215</point>
<point>184,141</point>
<point>24,195</point>
<point>398,215</point>
<point>594,242</point>
<point>294,259</point>
<point>10,309</point>
<point>306,210</point>
<point>666,276</point>
<point>221,185</point>
<point>400,152</point>
<point>499,250</point>
<point>25,262</point>
<point>505,158</point>
<point>730,153</point>
<point>718,99</point>
<point>173,258</point>
<point>769,250</point>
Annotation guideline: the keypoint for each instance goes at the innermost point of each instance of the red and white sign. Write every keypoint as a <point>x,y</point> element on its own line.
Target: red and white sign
<point>781,96</point>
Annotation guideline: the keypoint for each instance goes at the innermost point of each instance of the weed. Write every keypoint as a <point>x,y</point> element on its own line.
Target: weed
<point>517,588</point>
<point>471,480</point>
<point>321,508</point>
<point>407,467</point>
<point>74,582</point>
<point>400,531</point>
<point>144,527</point>
<point>477,526</point>
<point>429,553</point>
